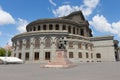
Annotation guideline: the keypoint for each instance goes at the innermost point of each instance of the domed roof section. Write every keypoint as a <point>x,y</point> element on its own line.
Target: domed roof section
<point>74,17</point>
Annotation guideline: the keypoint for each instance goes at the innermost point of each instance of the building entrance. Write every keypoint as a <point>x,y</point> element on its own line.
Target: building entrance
<point>47,55</point>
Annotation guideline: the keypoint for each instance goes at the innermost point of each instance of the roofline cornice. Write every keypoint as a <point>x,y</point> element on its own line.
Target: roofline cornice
<point>57,20</point>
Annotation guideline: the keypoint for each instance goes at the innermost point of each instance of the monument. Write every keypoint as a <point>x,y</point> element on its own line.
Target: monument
<point>61,59</point>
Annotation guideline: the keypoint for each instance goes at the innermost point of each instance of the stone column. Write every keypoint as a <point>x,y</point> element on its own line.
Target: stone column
<point>36,28</point>
<point>17,47</point>
<point>53,26</point>
<point>42,57</point>
<point>23,50</point>
<point>31,53</point>
<point>60,27</point>
<point>53,50</point>
<point>76,50</point>
<point>41,27</point>
<point>47,27</point>
<point>66,27</point>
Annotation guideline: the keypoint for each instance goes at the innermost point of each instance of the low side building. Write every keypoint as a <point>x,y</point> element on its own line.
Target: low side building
<point>40,41</point>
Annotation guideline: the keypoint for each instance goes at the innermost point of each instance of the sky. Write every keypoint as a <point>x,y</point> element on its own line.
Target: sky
<point>103,15</point>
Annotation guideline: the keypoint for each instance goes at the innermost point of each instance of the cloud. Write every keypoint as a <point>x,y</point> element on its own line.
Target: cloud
<point>21,25</point>
<point>62,10</point>
<point>100,23</point>
<point>0,33</point>
<point>5,17</point>
<point>87,8</point>
<point>53,3</point>
<point>9,42</point>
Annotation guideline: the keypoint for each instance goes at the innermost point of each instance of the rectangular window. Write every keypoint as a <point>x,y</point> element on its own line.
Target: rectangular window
<point>50,27</point>
<point>63,27</point>
<point>20,55</point>
<point>36,56</point>
<point>44,27</point>
<point>82,32</point>
<point>80,55</point>
<point>39,28</point>
<point>56,27</point>
<point>70,44</point>
<point>86,46</point>
<point>70,54</point>
<point>27,56</point>
<point>87,55</point>
<point>98,55</point>
<point>69,29</point>
<point>80,45</point>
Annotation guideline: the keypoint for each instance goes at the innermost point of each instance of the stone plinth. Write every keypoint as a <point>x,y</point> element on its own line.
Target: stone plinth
<point>60,60</point>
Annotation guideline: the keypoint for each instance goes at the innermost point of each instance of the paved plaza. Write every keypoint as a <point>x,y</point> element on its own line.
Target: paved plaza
<point>83,71</point>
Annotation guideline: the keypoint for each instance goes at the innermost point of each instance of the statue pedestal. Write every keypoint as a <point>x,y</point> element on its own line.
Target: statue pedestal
<point>60,60</point>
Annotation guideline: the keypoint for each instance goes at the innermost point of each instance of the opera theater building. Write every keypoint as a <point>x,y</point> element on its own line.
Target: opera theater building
<point>39,42</point>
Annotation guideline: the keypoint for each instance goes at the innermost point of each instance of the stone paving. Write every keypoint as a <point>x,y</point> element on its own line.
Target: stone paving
<point>83,71</point>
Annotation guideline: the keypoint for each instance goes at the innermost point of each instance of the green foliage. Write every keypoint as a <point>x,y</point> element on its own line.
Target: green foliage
<point>9,53</point>
<point>3,52</point>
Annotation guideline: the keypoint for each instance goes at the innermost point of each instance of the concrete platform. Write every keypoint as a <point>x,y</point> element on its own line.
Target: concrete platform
<point>84,71</point>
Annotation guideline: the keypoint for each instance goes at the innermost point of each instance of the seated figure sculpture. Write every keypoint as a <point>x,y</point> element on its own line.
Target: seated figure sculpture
<point>61,44</point>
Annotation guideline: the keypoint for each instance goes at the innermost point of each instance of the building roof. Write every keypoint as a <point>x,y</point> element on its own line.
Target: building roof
<point>73,18</point>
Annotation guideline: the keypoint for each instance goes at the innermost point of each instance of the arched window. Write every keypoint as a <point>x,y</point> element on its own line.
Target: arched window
<point>50,27</point>
<point>56,27</point>
<point>98,55</point>
<point>47,42</point>
<point>69,29</point>
<point>64,27</point>
<point>37,43</point>
<point>28,44</point>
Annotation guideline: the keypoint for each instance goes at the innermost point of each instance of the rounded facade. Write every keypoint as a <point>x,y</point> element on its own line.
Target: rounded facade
<point>40,41</point>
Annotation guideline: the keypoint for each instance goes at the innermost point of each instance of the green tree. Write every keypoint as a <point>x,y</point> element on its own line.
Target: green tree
<point>2,52</point>
<point>9,53</point>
